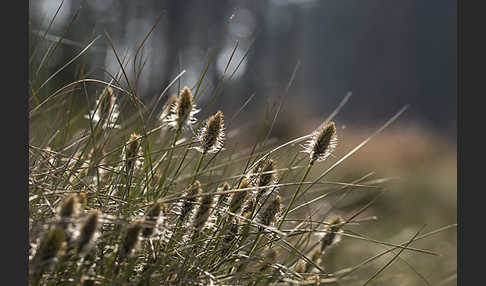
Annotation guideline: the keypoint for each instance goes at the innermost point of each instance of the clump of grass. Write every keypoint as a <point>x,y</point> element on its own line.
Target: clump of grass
<point>146,211</point>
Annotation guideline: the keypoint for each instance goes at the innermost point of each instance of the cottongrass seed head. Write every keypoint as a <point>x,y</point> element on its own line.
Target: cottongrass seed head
<point>182,111</point>
<point>322,143</point>
<point>211,135</point>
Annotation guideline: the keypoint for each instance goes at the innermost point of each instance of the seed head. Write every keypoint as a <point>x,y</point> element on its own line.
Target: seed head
<point>182,111</point>
<point>262,262</point>
<point>221,204</point>
<point>106,110</point>
<point>130,240</point>
<point>332,232</point>
<point>133,152</point>
<point>69,207</point>
<point>269,215</point>
<point>322,143</point>
<point>150,220</point>
<point>223,198</point>
<point>238,198</point>
<point>168,106</point>
<point>248,208</point>
<point>87,233</point>
<point>266,175</point>
<point>306,267</point>
<point>270,256</point>
<point>211,135</point>
<point>230,235</point>
<point>202,213</point>
<point>82,199</point>
<point>50,247</point>
<point>189,201</point>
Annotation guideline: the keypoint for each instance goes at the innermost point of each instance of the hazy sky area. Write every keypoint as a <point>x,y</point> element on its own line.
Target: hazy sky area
<point>388,53</point>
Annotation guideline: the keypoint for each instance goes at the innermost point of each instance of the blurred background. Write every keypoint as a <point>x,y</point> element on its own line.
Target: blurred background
<point>387,53</point>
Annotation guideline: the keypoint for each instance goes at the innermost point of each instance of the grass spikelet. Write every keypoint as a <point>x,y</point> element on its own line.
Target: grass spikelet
<point>106,110</point>
<point>222,199</point>
<point>130,240</point>
<point>211,135</point>
<point>168,107</point>
<point>269,215</point>
<point>238,198</point>
<point>82,199</point>
<point>49,249</point>
<point>305,267</point>
<point>79,167</point>
<point>266,172</point>
<point>263,261</point>
<point>202,213</point>
<point>189,201</point>
<point>230,235</point>
<point>132,152</point>
<point>183,111</point>
<point>270,256</point>
<point>88,231</point>
<point>150,220</point>
<point>333,229</point>
<point>248,208</point>
<point>322,143</point>
<point>68,208</point>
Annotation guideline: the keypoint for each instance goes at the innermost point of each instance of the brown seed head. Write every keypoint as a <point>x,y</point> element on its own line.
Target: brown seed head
<point>269,215</point>
<point>322,143</point>
<point>130,240</point>
<point>268,173</point>
<point>248,209</point>
<point>132,151</point>
<point>211,135</point>
<point>332,232</point>
<point>69,207</point>
<point>189,201</point>
<point>82,199</point>
<point>150,219</point>
<point>223,198</point>
<point>229,236</point>
<point>88,231</point>
<point>168,106</point>
<point>185,103</point>
<point>238,198</point>
<point>49,248</point>
<point>202,213</point>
